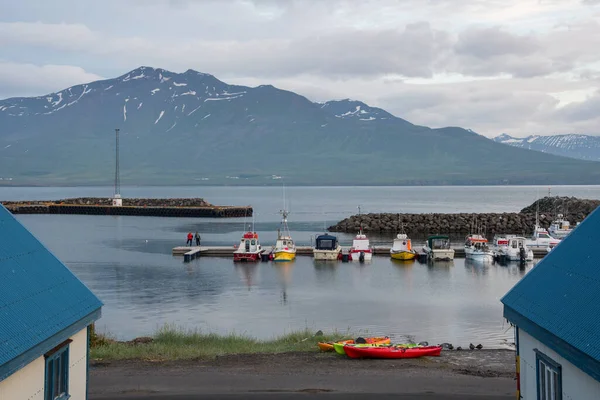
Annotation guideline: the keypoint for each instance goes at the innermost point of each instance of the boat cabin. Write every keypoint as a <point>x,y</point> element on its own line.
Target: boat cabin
<point>326,242</point>
<point>516,242</point>
<point>284,242</point>
<point>438,242</point>
<point>249,242</point>
<point>360,242</point>
<point>402,242</point>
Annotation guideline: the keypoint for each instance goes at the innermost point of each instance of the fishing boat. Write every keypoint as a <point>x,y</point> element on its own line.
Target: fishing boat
<point>512,248</point>
<point>541,239</point>
<point>477,249</point>
<point>560,228</point>
<point>326,248</point>
<point>285,248</point>
<point>361,250</point>
<point>438,248</point>
<point>392,351</point>
<point>249,248</point>
<point>402,248</point>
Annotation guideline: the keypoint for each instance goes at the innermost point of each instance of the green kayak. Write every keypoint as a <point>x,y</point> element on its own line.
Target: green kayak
<point>339,347</point>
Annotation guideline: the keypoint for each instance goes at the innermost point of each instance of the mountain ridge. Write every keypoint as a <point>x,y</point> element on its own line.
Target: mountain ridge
<point>192,128</point>
<point>578,146</point>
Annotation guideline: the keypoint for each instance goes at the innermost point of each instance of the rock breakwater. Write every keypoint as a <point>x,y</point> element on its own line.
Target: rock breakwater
<point>523,222</point>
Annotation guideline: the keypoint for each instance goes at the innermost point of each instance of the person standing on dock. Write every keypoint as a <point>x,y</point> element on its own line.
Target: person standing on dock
<point>190,237</point>
<point>197,239</point>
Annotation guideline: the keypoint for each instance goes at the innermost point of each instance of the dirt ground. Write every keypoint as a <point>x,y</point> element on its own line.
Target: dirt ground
<point>479,372</point>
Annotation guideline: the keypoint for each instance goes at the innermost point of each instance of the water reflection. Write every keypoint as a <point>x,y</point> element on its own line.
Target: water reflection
<point>477,267</point>
<point>248,272</point>
<point>284,275</point>
<point>325,271</point>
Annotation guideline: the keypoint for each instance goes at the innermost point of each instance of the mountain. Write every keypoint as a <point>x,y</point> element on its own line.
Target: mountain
<point>192,128</point>
<point>583,147</point>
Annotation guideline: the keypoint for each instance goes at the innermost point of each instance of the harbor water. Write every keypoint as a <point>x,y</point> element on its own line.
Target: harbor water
<point>127,262</point>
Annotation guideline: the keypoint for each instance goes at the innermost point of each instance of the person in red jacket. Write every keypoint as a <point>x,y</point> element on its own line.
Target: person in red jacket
<point>189,237</point>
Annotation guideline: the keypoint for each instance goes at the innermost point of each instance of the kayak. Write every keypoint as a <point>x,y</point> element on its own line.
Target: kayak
<point>392,352</point>
<point>329,346</point>
<point>339,347</point>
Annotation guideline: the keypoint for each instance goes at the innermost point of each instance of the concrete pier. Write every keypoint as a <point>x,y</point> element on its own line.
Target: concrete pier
<point>143,211</point>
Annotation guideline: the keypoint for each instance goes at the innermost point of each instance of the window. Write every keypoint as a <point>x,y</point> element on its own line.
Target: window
<point>549,377</point>
<point>57,373</point>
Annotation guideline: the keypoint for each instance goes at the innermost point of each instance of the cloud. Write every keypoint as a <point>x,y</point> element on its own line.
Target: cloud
<point>32,80</point>
<point>489,65</point>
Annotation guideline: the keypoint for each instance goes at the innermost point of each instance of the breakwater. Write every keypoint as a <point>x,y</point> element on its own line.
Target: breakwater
<point>186,207</point>
<point>523,222</point>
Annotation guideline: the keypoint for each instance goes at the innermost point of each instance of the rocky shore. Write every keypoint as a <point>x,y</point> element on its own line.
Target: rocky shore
<point>523,222</point>
<point>105,201</point>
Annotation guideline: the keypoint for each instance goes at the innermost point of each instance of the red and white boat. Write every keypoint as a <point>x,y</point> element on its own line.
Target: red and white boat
<point>361,250</point>
<point>249,248</point>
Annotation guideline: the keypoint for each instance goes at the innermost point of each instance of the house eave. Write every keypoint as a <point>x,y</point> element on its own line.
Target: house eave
<point>41,348</point>
<point>579,359</point>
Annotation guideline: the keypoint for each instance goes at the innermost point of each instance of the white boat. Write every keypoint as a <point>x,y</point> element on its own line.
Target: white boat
<point>559,228</point>
<point>285,248</point>
<point>249,248</point>
<point>438,248</point>
<point>402,248</point>
<point>361,250</point>
<point>326,248</point>
<point>512,248</point>
<point>541,239</point>
<point>476,248</point>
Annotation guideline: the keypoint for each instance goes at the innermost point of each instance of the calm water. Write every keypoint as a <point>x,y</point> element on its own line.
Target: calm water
<point>127,262</point>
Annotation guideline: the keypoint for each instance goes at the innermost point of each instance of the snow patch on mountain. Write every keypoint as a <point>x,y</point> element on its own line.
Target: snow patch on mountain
<point>584,147</point>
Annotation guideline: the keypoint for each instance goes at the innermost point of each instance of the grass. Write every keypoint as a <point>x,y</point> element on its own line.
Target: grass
<point>172,343</point>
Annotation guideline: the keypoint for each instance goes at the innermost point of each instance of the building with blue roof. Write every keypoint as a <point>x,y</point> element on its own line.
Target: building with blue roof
<point>45,315</point>
<point>555,309</point>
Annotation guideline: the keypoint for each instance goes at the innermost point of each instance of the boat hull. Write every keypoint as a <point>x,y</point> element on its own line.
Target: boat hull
<point>403,255</point>
<point>441,255</point>
<point>284,255</point>
<point>392,352</point>
<point>355,255</point>
<point>327,255</point>
<point>246,257</point>
<point>481,256</point>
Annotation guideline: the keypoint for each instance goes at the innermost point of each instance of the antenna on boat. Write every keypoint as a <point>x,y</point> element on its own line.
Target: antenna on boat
<point>359,219</point>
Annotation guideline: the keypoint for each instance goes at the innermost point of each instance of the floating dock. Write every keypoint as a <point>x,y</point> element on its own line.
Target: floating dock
<point>142,211</point>
<point>189,253</point>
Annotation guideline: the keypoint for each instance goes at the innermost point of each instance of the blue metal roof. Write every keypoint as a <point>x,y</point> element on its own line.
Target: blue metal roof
<point>561,294</point>
<point>39,295</point>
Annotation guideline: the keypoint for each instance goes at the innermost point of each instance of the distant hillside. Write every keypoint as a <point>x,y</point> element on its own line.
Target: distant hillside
<point>583,147</point>
<point>192,128</point>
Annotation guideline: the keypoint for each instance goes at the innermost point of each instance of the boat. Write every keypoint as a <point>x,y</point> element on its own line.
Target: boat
<point>329,346</point>
<point>249,248</point>
<point>511,248</point>
<point>361,250</point>
<point>560,228</point>
<point>541,239</point>
<point>402,248</point>
<point>438,248</point>
<point>339,346</point>
<point>285,248</point>
<point>477,249</point>
<point>326,248</point>
<point>392,351</point>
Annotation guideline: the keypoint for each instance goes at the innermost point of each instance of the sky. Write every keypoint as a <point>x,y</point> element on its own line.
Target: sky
<point>519,67</point>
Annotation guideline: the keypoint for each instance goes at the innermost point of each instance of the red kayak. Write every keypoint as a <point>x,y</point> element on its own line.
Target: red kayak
<point>392,352</point>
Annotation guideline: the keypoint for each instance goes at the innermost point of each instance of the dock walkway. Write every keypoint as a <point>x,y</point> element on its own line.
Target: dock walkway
<point>227,251</point>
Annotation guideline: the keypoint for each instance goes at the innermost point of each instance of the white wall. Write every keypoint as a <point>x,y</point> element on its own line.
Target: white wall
<point>576,384</point>
<point>28,382</point>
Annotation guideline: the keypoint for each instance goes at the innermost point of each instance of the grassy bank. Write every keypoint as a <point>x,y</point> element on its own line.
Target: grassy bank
<point>171,343</point>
